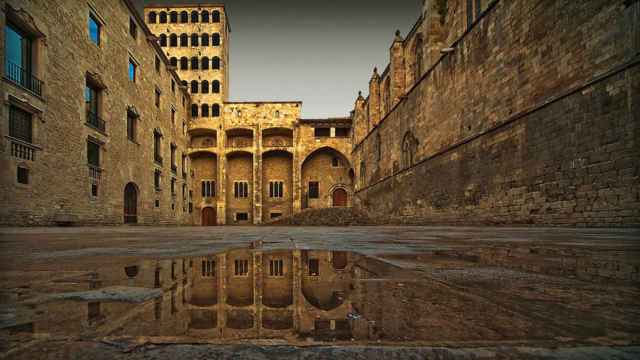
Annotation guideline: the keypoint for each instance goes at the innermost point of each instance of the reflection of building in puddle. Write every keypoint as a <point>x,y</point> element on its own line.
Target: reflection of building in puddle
<point>242,293</point>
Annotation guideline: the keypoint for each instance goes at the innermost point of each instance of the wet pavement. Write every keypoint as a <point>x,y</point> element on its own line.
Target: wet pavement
<point>313,292</point>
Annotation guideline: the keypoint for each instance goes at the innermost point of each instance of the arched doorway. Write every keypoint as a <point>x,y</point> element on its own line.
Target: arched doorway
<point>209,216</point>
<point>340,197</point>
<point>130,204</point>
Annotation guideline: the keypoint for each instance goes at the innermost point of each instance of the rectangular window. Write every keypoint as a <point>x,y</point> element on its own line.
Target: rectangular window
<point>18,59</point>
<point>173,117</point>
<point>322,132</point>
<point>173,187</point>
<point>314,267</point>
<point>94,29</point>
<point>94,190</point>
<point>173,86</point>
<point>208,189</point>
<point>314,190</point>
<point>23,175</point>
<point>133,67</point>
<point>240,189</point>
<point>276,267</point>
<point>131,126</point>
<point>20,124</point>
<point>157,64</point>
<point>93,153</point>
<point>156,182</point>
<point>208,268</point>
<point>174,165</point>
<point>133,28</point>
<point>275,215</point>
<point>241,267</point>
<point>276,189</point>
<point>157,144</point>
<point>91,102</point>
<point>242,217</point>
<point>342,132</point>
<point>158,98</point>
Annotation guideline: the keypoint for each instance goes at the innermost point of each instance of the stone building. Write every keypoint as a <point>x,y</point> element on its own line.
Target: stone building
<point>252,162</point>
<point>505,112</point>
<point>93,117</point>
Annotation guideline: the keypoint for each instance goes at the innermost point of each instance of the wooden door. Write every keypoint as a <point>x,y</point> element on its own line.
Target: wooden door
<point>209,216</point>
<point>130,204</point>
<point>340,197</point>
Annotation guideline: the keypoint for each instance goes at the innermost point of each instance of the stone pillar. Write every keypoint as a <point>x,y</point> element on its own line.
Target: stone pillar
<point>257,290</point>
<point>397,71</point>
<point>257,176</point>
<point>374,99</point>
<point>296,268</point>
<point>296,180</point>
<point>360,128</point>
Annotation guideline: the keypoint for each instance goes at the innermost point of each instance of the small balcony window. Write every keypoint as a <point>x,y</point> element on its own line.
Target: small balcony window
<point>94,29</point>
<point>93,153</point>
<point>19,57</point>
<point>133,67</point>
<point>20,124</point>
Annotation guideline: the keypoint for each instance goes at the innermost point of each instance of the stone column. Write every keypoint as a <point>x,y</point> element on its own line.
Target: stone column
<point>257,176</point>
<point>296,269</point>
<point>257,290</point>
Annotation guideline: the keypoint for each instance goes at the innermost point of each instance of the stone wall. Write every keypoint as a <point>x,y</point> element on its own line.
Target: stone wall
<point>60,180</point>
<point>532,118</point>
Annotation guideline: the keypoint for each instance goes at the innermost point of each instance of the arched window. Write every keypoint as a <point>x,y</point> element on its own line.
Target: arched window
<point>173,17</point>
<point>184,63</point>
<point>215,110</point>
<point>153,17</point>
<point>215,16</point>
<point>409,146</point>
<point>194,110</point>
<point>215,87</point>
<point>194,63</point>
<point>205,40</point>
<point>163,40</point>
<point>205,110</point>
<point>215,63</point>
<point>194,87</point>
<point>194,39</point>
<point>184,17</point>
<point>163,17</point>
<point>418,59</point>
<point>184,40</point>
<point>173,61</point>
<point>205,16</point>
<point>205,63</point>
<point>215,39</point>
<point>205,87</point>
<point>173,40</point>
<point>194,16</point>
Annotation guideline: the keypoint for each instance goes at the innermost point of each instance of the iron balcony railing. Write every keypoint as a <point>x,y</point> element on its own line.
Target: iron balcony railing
<point>23,78</point>
<point>95,121</point>
<point>95,172</point>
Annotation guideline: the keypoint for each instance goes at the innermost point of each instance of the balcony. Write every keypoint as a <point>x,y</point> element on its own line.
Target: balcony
<point>96,122</point>
<point>23,78</point>
<point>23,150</point>
<point>95,172</point>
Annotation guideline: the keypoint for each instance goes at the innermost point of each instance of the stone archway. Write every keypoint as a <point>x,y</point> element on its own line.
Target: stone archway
<point>131,204</point>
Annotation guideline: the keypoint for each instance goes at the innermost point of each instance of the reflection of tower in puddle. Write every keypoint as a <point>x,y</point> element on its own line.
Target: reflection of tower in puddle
<point>250,293</point>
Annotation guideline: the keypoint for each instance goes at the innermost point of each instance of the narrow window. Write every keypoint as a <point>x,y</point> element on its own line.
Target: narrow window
<point>184,17</point>
<point>153,17</point>
<point>194,63</point>
<point>163,40</point>
<point>173,116</point>
<point>20,124</point>
<point>94,190</point>
<point>194,87</point>
<point>194,16</point>
<point>173,86</point>
<point>173,187</point>
<point>157,175</point>
<point>173,40</point>
<point>205,16</point>
<point>94,29</point>
<point>157,147</point>
<point>215,39</point>
<point>18,59</point>
<point>157,64</point>
<point>91,99</point>
<point>208,189</point>
<point>184,63</point>
<point>314,190</point>
<point>23,175</point>
<point>215,16</point>
<point>184,40</point>
<point>205,40</point>
<point>205,109</point>
<point>276,267</point>
<point>174,165</point>
<point>205,63</point>
<point>158,98</point>
<point>215,86</point>
<point>163,17</point>
<point>194,110</point>
<point>208,268</point>
<point>314,267</point>
<point>133,28</point>
<point>132,123</point>
<point>132,70</point>
<point>194,39</point>
<point>173,17</point>
<point>205,88</point>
